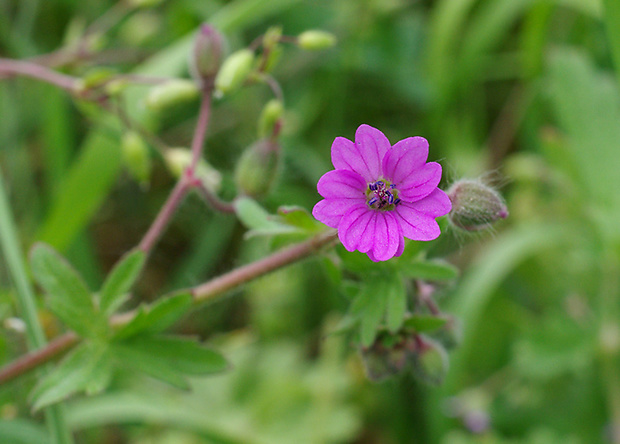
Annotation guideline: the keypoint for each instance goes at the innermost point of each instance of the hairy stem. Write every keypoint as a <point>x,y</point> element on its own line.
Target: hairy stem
<point>202,293</point>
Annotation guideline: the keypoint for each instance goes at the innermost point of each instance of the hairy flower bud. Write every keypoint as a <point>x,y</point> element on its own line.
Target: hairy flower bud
<point>208,53</point>
<point>475,206</point>
<point>234,71</point>
<point>171,93</point>
<point>136,157</point>
<point>270,118</point>
<point>257,168</point>
<point>315,40</point>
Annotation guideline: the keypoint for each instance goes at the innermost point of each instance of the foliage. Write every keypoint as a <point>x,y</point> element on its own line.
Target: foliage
<point>529,325</point>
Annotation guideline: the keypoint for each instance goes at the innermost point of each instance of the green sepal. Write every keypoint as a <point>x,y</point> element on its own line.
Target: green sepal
<point>120,280</point>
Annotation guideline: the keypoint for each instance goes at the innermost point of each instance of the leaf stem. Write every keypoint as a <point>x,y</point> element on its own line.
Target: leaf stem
<point>27,307</point>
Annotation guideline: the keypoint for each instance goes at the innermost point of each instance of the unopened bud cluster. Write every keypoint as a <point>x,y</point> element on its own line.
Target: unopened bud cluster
<point>475,206</point>
<point>392,354</point>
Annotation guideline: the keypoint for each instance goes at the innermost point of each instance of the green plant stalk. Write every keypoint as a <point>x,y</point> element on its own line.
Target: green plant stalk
<point>610,359</point>
<point>25,300</point>
<point>611,16</point>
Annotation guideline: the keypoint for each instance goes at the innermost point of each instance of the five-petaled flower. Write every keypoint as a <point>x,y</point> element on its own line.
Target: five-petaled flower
<point>378,194</point>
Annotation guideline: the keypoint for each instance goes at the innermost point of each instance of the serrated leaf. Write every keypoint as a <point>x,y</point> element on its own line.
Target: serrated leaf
<point>138,360</point>
<point>424,323</point>
<point>185,355</point>
<point>120,281</point>
<point>435,270</point>
<point>72,375</point>
<point>396,304</point>
<point>156,317</point>
<point>258,220</point>
<point>68,296</point>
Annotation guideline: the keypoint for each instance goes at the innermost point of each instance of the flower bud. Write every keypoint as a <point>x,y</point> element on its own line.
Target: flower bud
<point>208,52</point>
<point>386,357</point>
<point>178,159</point>
<point>171,93</point>
<point>475,206</point>
<point>270,118</point>
<point>430,361</point>
<point>257,168</point>
<point>136,157</point>
<point>315,40</point>
<point>234,71</point>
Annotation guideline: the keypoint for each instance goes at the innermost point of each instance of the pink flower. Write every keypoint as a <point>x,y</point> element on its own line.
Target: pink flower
<point>378,194</point>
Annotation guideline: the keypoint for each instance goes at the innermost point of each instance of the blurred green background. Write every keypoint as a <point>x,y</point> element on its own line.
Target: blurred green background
<point>524,93</point>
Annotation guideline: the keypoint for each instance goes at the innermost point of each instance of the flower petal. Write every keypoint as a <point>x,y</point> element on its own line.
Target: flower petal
<point>404,158</point>
<point>342,183</point>
<point>420,183</point>
<point>364,156</point>
<point>387,237</point>
<point>417,219</point>
<point>330,211</point>
<point>356,230</point>
<point>436,204</point>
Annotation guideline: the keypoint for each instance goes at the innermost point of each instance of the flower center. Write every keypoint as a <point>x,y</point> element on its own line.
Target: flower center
<point>382,195</point>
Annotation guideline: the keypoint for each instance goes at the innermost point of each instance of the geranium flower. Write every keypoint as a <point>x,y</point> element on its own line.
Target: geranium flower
<point>379,194</point>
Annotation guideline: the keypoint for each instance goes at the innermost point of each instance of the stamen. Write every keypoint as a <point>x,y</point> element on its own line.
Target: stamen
<point>397,201</point>
<point>373,201</point>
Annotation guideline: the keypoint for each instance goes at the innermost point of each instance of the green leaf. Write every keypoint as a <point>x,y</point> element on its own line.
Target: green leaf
<point>435,270</point>
<point>138,360</point>
<point>185,355</point>
<point>300,218</point>
<point>396,309</point>
<point>68,296</point>
<point>157,317</point>
<point>73,374</point>
<point>369,308</point>
<point>424,323</point>
<point>100,378</point>
<point>120,280</point>
<point>258,220</point>
<point>587,106</point>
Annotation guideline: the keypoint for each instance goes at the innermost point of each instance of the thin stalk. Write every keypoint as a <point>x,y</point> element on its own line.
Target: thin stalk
<point>29,69</point>
<point>27,307</point>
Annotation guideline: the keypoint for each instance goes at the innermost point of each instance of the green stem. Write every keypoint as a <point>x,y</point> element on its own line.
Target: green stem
<point>611,16</point>
<point>27,307</point>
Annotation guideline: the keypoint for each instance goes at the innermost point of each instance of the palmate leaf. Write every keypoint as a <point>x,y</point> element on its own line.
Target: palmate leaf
<point>74,374</point>
<point>380,299</point>
<point>120,280</point>
<point>68,296</point>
